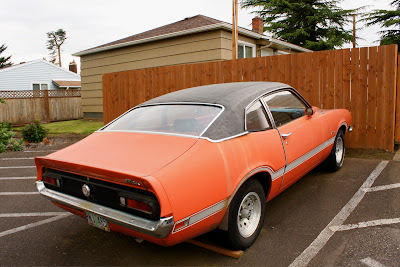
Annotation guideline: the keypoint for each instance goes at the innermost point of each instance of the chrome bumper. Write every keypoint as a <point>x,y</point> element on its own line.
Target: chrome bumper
<point>158,229</point>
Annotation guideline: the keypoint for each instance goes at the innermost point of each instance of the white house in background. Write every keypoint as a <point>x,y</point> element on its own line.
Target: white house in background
<point>38,75</point>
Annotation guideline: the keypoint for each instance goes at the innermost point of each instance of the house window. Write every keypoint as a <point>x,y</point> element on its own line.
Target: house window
<point>40,86</point>
<point>245,51</point>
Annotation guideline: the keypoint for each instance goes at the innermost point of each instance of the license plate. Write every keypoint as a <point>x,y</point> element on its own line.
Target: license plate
<point>97,221</point>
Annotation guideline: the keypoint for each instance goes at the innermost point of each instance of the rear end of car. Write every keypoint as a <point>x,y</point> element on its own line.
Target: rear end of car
<point>111,206</point>
<point>106,178</point>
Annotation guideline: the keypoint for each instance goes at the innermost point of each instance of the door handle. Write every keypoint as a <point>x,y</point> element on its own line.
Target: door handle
<point>286,136</point>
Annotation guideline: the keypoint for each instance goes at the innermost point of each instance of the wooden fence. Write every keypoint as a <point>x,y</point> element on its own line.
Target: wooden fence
<point>362,80</point>
<point>47,105</point>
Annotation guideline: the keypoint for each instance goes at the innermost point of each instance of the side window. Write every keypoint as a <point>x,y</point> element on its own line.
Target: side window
<point>245,51</point>
<point>36,87</point>
<point>285,107</point>
<point>256,119</point>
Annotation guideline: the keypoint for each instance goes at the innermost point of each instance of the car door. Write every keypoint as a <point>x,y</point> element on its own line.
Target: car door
<point>296,130</point>
<point>263,145</point>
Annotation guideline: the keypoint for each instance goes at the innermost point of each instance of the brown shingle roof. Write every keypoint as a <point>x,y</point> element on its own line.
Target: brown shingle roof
<point>186,24</point>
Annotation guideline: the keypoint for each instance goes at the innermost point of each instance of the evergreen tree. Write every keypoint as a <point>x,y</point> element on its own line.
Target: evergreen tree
<point>4,61</point>
<point>389,19</point>
<point>313,24</point>
<point>55,40</point>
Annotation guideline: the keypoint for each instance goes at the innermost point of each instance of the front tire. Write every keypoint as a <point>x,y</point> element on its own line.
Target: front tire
<point>246,215</point>
<point>335,159</point>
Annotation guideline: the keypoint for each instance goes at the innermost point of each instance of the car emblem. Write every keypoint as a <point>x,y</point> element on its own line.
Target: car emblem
<point>86,190</point>
<point>132,182</point>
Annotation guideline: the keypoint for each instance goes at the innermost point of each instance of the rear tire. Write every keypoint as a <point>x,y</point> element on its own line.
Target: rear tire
<point>335,159</point>
<point>246,215</point>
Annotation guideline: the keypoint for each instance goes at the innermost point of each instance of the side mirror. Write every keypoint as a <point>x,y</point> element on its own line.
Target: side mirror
<point>309,111</point>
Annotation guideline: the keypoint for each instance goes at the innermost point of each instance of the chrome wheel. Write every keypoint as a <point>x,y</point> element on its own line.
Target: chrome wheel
<point>249,214</point>
<point>339,150</point>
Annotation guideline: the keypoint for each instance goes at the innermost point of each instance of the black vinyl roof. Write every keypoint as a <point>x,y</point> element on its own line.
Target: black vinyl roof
<point>235,97</point>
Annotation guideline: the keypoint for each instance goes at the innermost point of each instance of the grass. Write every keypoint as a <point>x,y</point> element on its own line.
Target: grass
<point>81,127</point>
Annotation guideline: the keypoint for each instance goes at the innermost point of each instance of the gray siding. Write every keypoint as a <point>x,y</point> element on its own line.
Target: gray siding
<point>21,77</point>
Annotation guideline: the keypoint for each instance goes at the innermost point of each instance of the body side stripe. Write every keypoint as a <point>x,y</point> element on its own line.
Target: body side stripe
<point>213,209</point>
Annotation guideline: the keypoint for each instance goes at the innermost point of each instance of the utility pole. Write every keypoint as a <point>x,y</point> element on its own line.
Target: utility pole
<point>354,30</point>
<point>235,29</point>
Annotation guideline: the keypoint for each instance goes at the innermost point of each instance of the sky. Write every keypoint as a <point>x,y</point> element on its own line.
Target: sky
<point>89,23</point>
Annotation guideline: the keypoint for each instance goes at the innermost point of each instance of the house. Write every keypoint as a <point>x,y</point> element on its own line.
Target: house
<point>192,40</point>
<point>38,75</point>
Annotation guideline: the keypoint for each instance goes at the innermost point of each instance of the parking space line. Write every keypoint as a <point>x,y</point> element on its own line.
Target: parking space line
<point>383,187</point>
<point>16,158</point>
<point>365,224</point>
<point>18,167</point>
<point>17,193</point>
<point>372,263</point>
<point>31,225</point>
<point>309,253</point>
<point>18,178</point>
<point>32,214</point>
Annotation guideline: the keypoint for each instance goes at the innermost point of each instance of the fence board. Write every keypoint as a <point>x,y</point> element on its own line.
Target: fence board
<point>267,71</point>
<point>308,76</point>
<point>397,124</point>
<point>330,83</point>
<point>360,80</point>
<point>354,96</point>
<point>315,99</point>
<point>390,95</point>
<point>380,118</point>
<point>338,98</point>
<point>371,111</point>
<point>346,79</point>
<point>363,96</point>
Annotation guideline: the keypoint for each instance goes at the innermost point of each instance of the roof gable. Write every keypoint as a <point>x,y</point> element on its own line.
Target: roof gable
<point>39,61</point>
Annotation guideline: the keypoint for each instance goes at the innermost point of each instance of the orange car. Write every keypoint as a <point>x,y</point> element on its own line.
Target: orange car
<point>191,161</point>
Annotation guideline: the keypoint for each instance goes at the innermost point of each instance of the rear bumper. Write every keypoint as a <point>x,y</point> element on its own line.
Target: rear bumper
<point>158,229</point>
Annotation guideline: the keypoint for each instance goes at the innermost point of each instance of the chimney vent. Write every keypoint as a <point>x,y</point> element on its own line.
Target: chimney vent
<point>258,25</point>
<point>73,67</point>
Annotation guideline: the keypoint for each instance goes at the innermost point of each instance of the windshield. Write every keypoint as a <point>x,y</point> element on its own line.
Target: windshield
<point>172,118</point>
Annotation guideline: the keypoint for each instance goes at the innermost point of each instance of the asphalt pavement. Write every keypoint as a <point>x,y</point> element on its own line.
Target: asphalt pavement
<point>347,218</point>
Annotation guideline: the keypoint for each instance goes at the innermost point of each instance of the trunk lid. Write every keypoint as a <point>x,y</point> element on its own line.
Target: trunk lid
<point>126,153</point>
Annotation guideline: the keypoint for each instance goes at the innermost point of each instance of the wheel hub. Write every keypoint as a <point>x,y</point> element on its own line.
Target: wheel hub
<point>339,149</point>
<point>249,214</point>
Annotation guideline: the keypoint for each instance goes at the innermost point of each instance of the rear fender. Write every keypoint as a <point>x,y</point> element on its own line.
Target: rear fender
<point>264,175</point>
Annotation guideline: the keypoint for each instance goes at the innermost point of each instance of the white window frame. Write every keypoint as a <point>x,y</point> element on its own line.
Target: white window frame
<point>40,85</point>
<point>248,45</point>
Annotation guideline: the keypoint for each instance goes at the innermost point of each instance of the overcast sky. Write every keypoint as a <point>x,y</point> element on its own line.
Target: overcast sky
<point>88,23</point>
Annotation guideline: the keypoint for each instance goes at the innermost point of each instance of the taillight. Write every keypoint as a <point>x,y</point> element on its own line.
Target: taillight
<point>52,181</point>
<point>137,205</point>
<point>142,205</point>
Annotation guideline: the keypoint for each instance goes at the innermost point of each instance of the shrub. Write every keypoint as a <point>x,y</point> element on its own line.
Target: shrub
<point>34,132</point>
<point>7,140</point>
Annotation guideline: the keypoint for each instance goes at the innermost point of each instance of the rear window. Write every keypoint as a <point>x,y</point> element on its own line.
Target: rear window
<point>172,119</point>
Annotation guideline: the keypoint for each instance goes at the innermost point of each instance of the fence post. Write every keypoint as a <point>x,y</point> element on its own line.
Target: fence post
<point>397,125</point>
<point>47,105</point>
